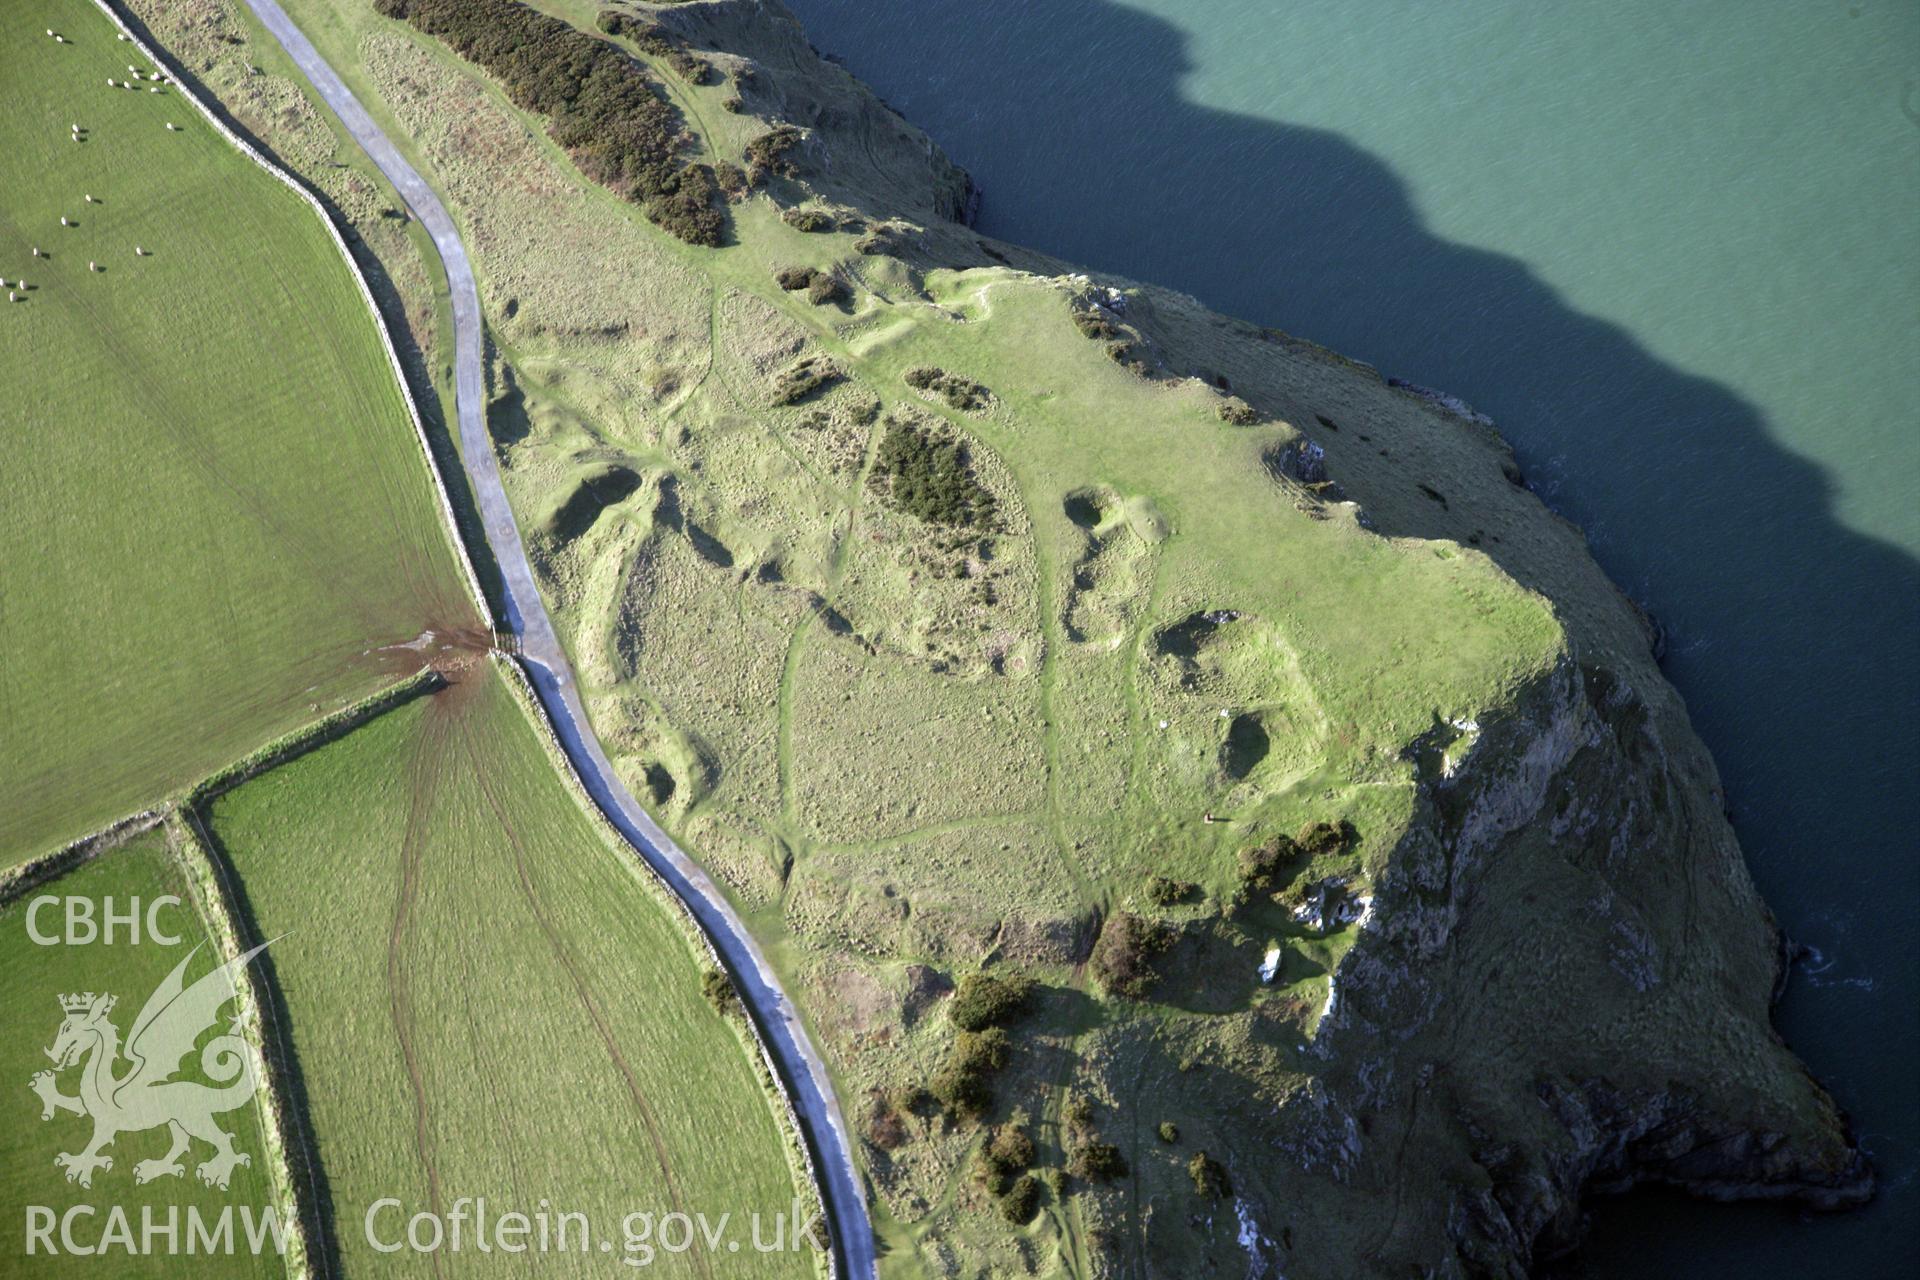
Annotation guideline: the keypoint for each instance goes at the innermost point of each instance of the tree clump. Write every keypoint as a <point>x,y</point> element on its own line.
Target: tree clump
<point>930,477</point>
<point>602,108</point>
<point>959,393</point>
<point>805,378</point>
<point>1123,958</point>
<point>983,1000</point>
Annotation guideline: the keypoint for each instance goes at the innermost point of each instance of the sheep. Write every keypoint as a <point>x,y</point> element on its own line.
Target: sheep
<point>138,252</point>
<point>155,89</point>
<point>65,221</point>
<point>112,83</point>
<point>172,127</point>
<point>93,266</point>
<point>90,199</point>
<point>37,253</point>
<point>12,296</point>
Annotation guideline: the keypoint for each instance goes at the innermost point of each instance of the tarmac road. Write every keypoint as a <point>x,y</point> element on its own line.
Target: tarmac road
<point>823,1125</point>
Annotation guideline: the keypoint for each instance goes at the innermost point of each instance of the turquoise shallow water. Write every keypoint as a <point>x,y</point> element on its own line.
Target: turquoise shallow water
<point>1674,249</point>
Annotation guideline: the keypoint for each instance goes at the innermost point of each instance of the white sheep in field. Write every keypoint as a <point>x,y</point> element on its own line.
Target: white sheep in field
<point>138,252</point>
<point>65,221</point>
<point>172,127</point>
<point>93,266</point>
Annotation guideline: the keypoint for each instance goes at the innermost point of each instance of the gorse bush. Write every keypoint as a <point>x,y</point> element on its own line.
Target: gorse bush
<point>929,477</point>
<point>774,152</point>
<point>958,392</point>
<point>1238,412</point>
<point>1264,865</point>
<point>808,220</point>
<point>1123,958</point>
<point>717,987</point>
<point>983,1001</point>
<point>653,39</point>
<point>963,1085</point>
<point>1209,1176</point>
<point>600,104</point>
<point>1328,839</point>
<point>1011,1150</point>
<point>822,287</point>
<point>1022,1200</point>
<point>805,378</point>
<point>1163,891</point>
<point>1097,1162</point>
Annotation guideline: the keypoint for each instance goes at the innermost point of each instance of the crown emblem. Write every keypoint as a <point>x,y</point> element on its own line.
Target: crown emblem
<point>83,1001</point>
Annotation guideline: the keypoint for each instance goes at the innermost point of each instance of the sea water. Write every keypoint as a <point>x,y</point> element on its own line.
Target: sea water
<point>1674,250</point>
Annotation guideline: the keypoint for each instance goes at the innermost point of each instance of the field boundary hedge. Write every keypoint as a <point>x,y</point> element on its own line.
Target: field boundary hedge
<point>451,526</point>
<point>24,877</point>
<point>282,1132</point>
<point>316,733</point>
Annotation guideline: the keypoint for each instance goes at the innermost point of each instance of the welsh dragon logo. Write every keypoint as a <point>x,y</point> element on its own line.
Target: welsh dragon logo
<point>146,1095</point>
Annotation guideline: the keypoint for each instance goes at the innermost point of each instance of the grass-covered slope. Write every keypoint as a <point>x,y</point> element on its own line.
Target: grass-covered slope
<point>484,997</point>
<point>217,511</point>
<point>965,613</point>
<point>35,977</point>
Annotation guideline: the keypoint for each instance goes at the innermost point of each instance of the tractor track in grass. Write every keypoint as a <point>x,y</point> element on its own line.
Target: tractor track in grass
<point>423,784</point>
<point>803,1074</point>
<point>557,944</point>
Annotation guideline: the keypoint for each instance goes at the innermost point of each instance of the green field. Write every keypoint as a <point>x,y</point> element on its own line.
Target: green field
<point>217,511</point>
<point>486,999</point>
<point>35,976</point>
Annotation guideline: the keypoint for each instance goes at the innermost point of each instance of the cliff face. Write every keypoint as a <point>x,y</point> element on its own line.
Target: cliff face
<point>1562,983</point>
<point>1234,588</point>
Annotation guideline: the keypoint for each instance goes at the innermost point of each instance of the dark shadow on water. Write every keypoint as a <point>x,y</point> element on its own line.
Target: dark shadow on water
<point>1793,637</point>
